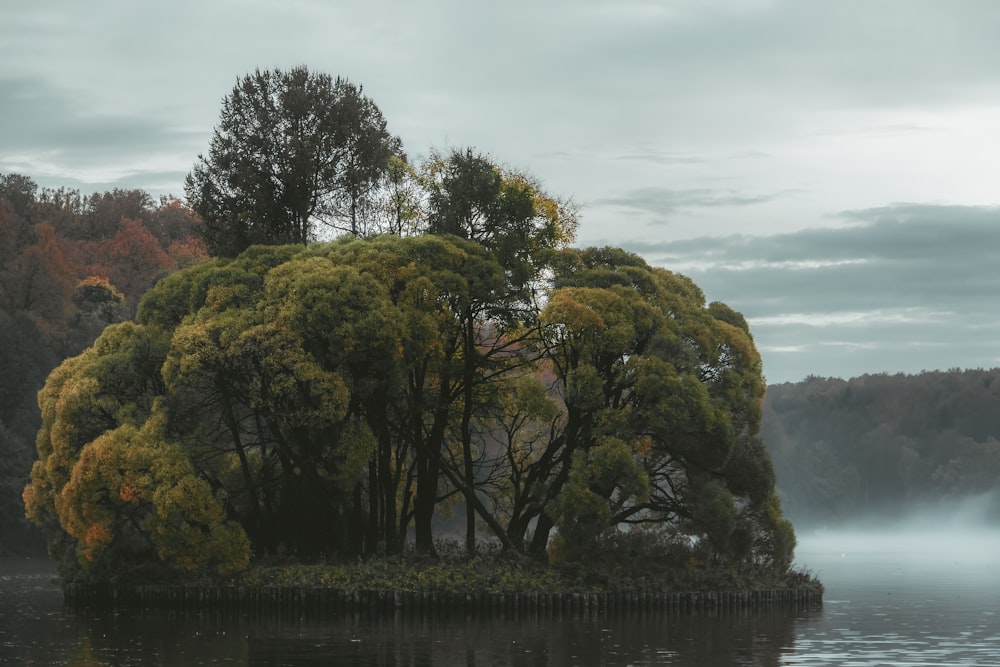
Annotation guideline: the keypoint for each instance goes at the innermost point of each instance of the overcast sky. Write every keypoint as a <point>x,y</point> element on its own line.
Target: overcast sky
<point>829,168</point>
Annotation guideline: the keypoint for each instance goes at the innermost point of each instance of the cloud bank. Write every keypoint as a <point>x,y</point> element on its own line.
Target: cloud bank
<point>906,287</point>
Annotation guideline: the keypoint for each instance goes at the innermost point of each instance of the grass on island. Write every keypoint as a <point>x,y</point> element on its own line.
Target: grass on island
<point>621,566</point>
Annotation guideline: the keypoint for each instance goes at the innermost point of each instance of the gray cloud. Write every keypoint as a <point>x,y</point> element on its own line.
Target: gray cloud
<point>663,158</point>
<point>909,240</point>
<point>51,136</point>
<point>663,201</point>
<point>656,115</point>
<point>513,79</point>
<point>904,287</point>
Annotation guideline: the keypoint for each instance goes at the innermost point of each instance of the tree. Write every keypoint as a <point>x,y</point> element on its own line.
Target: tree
<point>400,209</point>
<point>292,150</point>
<point>329,398</point>
<point>18,210</point>
<point>505,211</point>
<point>110,488</point>
<point>661,396</point>
<point>519,225</point>
<point>133,500</point>
<point>105,212</point>
<point>98,303</point>
<point>878,445</point>
<point>174,222</point>
<point>40,281</point>
<point>134,260</point>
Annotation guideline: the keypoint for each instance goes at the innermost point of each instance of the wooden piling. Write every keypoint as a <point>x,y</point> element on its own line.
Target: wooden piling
<point>314,601</point>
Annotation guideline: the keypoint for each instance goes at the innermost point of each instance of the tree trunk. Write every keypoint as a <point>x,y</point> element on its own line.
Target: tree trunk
<point>428,475</point>
<point>540,538</point>
<point>468,379</point>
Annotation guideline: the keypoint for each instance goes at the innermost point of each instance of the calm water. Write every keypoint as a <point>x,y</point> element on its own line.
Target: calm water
<point>918,600</point>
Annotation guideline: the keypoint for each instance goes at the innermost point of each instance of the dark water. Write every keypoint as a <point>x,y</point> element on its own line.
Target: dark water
<point>928,600</point>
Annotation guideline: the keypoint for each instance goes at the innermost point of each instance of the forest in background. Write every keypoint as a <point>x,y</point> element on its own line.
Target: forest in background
<point>884,447</point>
<point>70,264</point>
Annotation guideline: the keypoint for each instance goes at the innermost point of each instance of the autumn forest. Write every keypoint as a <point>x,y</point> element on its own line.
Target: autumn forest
<point>72,264</point>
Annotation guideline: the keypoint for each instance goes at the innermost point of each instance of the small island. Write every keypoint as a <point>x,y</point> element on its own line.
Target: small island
<point>306,415</point>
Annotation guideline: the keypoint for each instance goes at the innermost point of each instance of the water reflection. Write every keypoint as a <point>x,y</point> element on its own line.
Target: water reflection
<point>35,629</point>
<point>899,600</point>
<point>903,597</point>
<point>929,599</point>
<point>401,639</point>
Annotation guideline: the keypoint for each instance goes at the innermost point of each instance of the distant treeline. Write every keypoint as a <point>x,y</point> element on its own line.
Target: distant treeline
<point>883,445</point>
<point>70,264</point>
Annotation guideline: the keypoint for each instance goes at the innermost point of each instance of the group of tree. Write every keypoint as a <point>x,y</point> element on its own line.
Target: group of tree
<point>450,352</point>
<point>69,265</point>
<point>320,401</point>
<point>884,445</point>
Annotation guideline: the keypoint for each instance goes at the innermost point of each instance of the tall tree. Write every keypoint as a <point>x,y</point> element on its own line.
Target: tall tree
<point>519,225</point>
<point>292,150</point>
<point>661,396</point>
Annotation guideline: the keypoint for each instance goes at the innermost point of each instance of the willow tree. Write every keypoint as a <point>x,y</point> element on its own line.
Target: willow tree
<point>662,396</point>
<point>292,150</point>
<point>519,225</point>
<point>110,489</point>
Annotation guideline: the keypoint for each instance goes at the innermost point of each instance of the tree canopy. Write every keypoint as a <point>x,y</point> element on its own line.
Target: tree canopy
<point>70,264</point>
<point>293,150</point>
<point>313,400</point>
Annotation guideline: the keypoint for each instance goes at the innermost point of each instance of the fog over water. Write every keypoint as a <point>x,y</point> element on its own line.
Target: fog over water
<point>964,531</point>
<point>919,590</point>
<point>923,589</point>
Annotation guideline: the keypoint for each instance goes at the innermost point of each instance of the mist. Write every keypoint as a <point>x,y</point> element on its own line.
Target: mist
<point>961,531</point>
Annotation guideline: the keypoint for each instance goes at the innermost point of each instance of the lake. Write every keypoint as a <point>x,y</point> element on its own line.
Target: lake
<point>891,599</point>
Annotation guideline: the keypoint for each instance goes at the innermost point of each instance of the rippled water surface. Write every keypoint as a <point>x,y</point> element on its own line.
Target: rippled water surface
<point>891,600</point>
<point>920,598</point>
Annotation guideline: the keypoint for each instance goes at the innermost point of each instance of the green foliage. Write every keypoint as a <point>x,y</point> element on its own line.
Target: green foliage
<point>637,561</point>
<point>643,363</point>
<point>133,499</point>
<point>356,444</point>
<point>581,509</point>
<point>713,515</point>
<point>291,147</point>
<point>106,485</point>
<point>485,572</point>
<point>506,212</point>
<point>321,401</point>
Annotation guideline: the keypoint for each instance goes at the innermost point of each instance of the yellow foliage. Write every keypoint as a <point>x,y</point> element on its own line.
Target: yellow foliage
<point>643,446</point>
<point>129,478</point>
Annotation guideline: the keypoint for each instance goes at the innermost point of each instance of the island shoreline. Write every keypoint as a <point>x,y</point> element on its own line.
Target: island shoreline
<point>303,600</point>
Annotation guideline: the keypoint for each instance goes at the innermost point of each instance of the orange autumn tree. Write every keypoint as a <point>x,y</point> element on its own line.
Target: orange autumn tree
<point>40,280</point>
<point>131,495</point>
<point>110,489</point>
<point>133,259</point>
